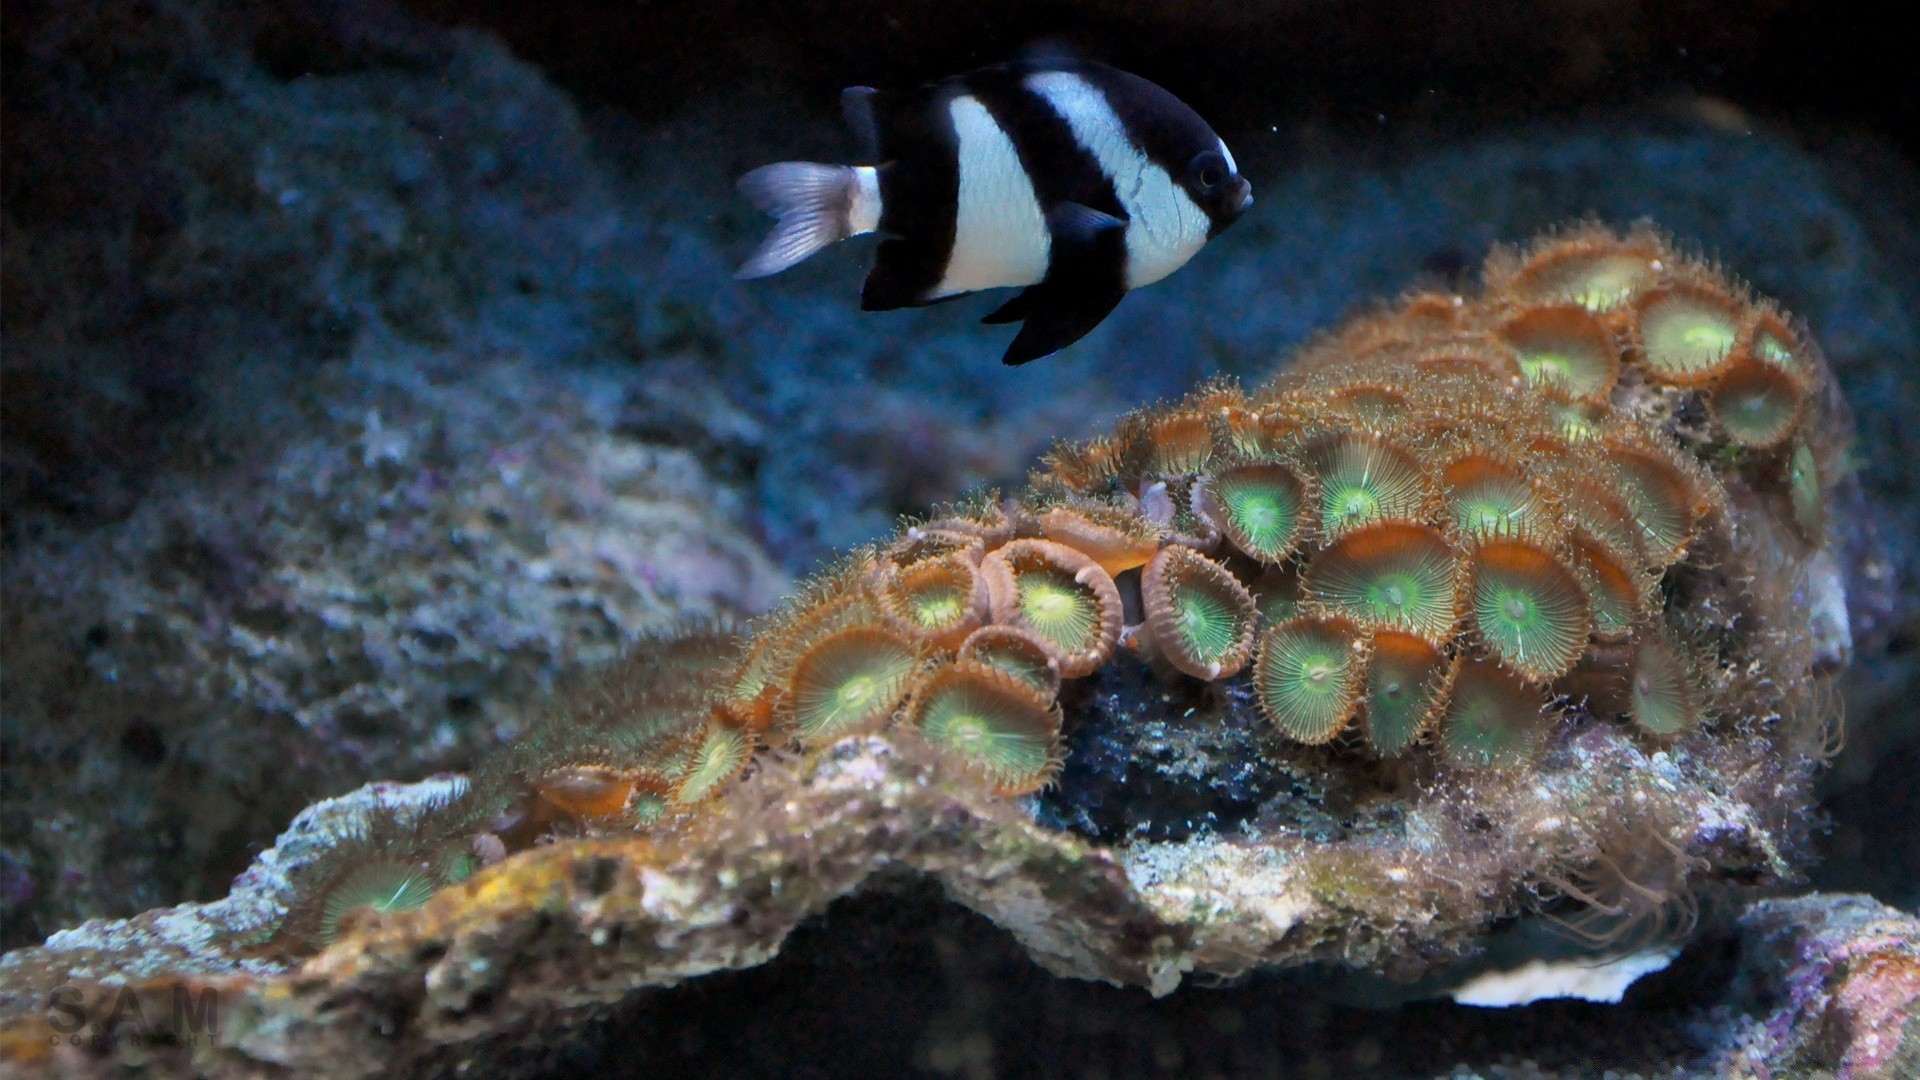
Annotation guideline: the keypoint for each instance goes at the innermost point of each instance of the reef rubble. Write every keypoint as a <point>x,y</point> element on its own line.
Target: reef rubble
<point>502,973</point>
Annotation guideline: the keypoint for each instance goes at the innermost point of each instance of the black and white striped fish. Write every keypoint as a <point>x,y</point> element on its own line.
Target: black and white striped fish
<point>1073,179</point>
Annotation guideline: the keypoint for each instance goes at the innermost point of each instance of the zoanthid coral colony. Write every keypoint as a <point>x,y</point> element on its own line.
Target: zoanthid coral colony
<point>1449,541</point>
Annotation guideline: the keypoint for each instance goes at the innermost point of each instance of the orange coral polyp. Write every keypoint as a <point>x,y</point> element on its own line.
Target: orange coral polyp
<point>1392,575</point>
<point>1181,444</point>
<point>1665,500</point>
<point>1589,266</point>
<point>939,600</point>
<point>849,682</point>
<point>1758,404</point>
<point>1020,653</point>
<point>586,791</point>
<point>1564,348</point>
<point>1488,496</point>
<point>1493,720</point>
<point>1115,547</point>
<point>1529,609</point>
<point>1687,332</point>
<point>991,724</point>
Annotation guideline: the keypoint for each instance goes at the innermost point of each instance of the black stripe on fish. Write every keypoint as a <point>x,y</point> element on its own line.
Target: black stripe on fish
<point>1086,265</point>
<point>919,198</point>
<point>1156,121</point>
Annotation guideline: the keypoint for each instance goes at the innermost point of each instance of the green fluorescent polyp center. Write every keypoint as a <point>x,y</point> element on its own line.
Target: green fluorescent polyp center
<point>938,609</point>
<point>857,690</point>
<point>1356,505</point>
<point>1208,627</point>
<point>1546,367</point>
<point>1057,609</point>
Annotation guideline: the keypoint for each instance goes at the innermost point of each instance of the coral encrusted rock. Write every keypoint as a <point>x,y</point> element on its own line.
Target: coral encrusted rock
<point>1519,606</point>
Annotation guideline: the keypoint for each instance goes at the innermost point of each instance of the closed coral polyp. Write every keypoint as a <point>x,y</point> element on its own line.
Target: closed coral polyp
<point>1110,536</point>
<point>586,791</point>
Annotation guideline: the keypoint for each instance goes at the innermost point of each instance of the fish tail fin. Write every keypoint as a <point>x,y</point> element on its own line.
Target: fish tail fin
<point>813,206</point>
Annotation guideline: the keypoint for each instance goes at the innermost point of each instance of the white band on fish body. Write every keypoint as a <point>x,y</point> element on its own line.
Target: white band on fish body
<point>1000,236</point>
<point>1165,226</point>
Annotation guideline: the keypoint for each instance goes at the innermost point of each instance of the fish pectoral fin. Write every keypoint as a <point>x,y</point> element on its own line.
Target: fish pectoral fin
<point>1015,309</point>
<point>1074,223</point>
<point>1056,316</point>
<point>857,109</point>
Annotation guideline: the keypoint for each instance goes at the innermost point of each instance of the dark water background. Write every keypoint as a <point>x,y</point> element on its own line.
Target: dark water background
<point>282,283</point>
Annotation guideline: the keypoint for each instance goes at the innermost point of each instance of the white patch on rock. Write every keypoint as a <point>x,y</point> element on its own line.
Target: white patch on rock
<point>1604,980</point>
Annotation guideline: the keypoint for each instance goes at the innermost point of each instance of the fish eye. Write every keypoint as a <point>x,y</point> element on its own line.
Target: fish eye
<point>1208,169</point>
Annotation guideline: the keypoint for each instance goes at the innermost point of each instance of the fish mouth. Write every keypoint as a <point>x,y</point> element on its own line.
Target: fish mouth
<point>1232,208</point>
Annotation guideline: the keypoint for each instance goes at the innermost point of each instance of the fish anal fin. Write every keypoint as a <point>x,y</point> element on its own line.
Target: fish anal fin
<point>1056,318</point>
<point>858,110</point>
<point>1015,309</point>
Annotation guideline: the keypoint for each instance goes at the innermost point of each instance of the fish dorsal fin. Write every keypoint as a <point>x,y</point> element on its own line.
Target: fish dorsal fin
<point>1049,54</point>
<point>1072,223</point>
<point>857,109</point>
